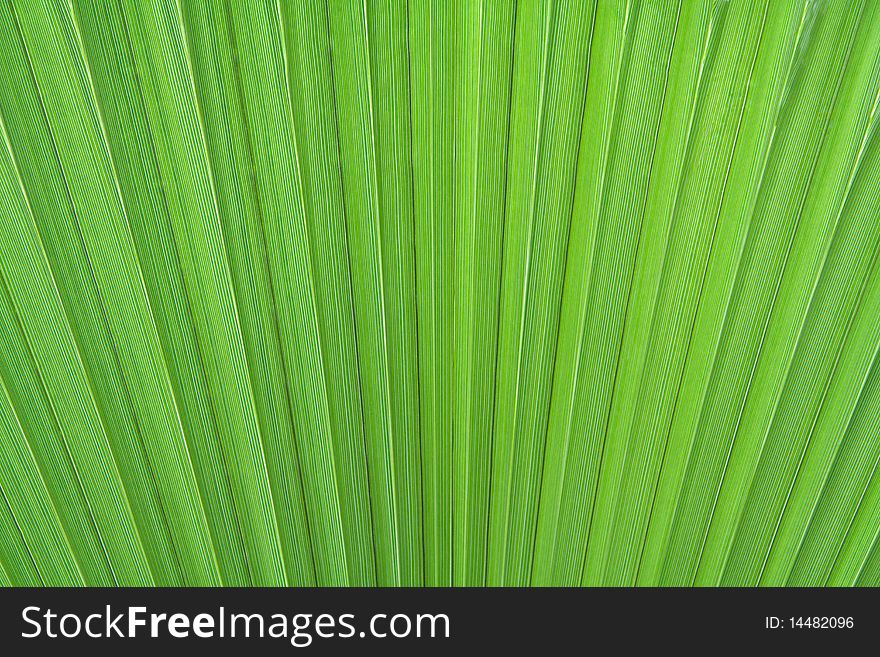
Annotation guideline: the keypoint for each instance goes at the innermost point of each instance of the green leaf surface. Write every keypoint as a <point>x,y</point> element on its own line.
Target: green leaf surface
<point>426,293</point>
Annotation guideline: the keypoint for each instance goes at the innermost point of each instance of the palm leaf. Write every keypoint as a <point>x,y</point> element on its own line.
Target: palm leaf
<point>432,293</point>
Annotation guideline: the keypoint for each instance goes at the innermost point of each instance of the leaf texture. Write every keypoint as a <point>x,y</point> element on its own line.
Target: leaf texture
<point>425,293</point>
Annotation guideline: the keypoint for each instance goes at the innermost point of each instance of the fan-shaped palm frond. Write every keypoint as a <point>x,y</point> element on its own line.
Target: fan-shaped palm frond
<point>421,292</point>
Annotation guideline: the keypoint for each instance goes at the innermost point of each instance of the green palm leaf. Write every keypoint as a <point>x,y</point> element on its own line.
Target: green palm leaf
<point>428,293</point>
